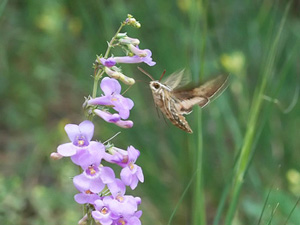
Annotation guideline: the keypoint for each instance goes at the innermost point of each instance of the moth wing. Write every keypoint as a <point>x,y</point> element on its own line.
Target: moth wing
<point>177,79</point>
<point>202,95</point>
<point>212,88</point>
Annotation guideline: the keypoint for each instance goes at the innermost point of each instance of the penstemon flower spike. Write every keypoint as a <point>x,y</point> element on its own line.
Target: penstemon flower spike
<point>100,191</point>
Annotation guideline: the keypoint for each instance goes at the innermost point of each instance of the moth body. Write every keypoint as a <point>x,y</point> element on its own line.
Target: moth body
<point>175,102</point>
<point>163,99</point>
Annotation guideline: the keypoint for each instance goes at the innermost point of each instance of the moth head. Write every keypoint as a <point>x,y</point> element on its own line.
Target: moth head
<point>155,85</point>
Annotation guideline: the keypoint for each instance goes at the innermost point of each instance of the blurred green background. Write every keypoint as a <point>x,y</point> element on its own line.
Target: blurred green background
<point>46,53</point>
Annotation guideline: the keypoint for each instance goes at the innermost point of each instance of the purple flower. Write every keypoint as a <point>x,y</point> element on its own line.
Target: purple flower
<point>132,173</point>
<point>113,118</point>
<point>110,62</point>
<point>139,52</point>
<point>93,155</point>
<point>145,57</point>
<point>112,97</point>
<point>127,220</point>
<point>86,196</point>
<point>116,188</point>
<point>94,178</point>
<point>103,214</point>
<point>117,156</point>
<point>80,137</point>
<point>122,204</point>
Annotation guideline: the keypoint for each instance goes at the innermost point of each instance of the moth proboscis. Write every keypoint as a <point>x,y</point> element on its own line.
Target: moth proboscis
<point>175,99</point>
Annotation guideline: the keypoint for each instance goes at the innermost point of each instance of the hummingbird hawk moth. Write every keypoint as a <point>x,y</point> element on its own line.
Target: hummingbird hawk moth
<point>175,101</point>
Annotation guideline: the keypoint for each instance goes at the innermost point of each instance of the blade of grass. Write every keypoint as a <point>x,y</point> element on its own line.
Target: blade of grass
<point>264,119</point>
<point>2,7</point>
<point>198,13</point>
<point>289,216</point>
<point>181,198</point>
<point>198,198</point>
<point>265,205</point>
<point>245,156</point>
<point>272,214</point>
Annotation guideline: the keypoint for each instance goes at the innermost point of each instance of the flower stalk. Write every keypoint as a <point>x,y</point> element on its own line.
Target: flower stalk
<point>100,191</point>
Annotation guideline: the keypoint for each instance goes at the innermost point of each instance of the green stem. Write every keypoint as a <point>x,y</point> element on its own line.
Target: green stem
<point>199,216</point>
<point>98,73</point>
<point>110,44</point>
<point>97,77</point>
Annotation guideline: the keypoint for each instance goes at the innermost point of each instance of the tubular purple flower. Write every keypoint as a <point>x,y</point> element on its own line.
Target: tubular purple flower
<point>125,205</point>
<point>137,51</point>
<point>124,123</point>
<point>128,220</point>
<point>103,214</point>
<point>110,62</point>
<point>121,203</point>
<point>112,97</point>
<point>94,178</point>
<point>80,137</point>
<point>136,59</point>
<point>113,118</point>
<point>94,155</point>
<point>86,196</point>
<point>117,156</point>
<point>108,117</point>
<point>131,174</point>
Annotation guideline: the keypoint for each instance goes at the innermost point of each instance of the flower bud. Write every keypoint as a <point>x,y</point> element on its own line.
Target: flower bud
<point>121,35</point>
<point>119,76</point>
<point>55,156</point>
<point>83,220</point>
<point>132,21</point>
<point>128,40</point>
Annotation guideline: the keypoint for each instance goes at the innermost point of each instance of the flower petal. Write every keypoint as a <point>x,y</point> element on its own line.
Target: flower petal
<point>134,221</point>
<point>72,131</point>
<point>124,123</point>
<point>133,154</point>
<point>96,185</point>
<point>110,62</point>
<point>67,149</point>
<point>81,182</point>
<point>126,176</point>
<point>140,174</point>
<point>108,117</point>
<point>134,182</point>
<point>103,100</point>
<point>107,175</point>
<point>87,128</point>
<point>117,187</point>
<point>110,85</point>
<point>83,198</point>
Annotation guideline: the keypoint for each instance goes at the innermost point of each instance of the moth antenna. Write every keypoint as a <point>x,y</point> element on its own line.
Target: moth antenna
<point>144,72</point>
<point>162,75</point>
